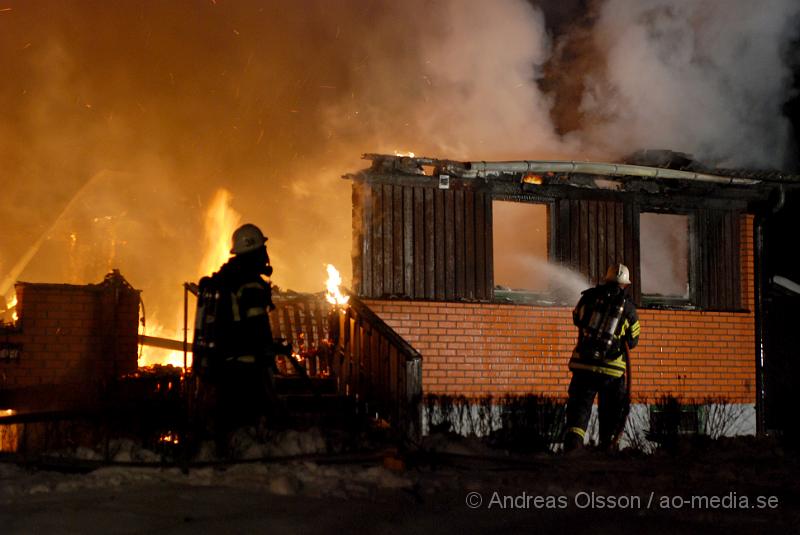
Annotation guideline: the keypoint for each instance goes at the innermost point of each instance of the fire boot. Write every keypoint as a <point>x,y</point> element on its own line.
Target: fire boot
<point>572,442</point>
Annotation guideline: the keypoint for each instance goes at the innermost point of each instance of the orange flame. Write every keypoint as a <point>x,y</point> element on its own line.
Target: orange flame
<point>11,305</point>
<point>169,438</point>
<point>532,178</point>
<point>152,356</point>
<point>220,222</point>
<point>333,293</point>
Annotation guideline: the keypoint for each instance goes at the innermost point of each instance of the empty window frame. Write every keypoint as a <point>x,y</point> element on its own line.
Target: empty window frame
<point>665,257</point>
<point>521,243</point>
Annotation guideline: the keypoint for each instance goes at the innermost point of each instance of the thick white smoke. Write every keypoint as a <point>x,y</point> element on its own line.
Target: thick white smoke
<point>455,79</point>
<point>708,78</point>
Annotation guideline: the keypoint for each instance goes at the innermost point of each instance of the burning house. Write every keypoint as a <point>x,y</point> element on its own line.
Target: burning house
<point>477,265</point>
<point>464,279</point>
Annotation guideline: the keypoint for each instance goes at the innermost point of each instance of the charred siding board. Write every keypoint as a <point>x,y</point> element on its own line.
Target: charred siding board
<point>397,241</point>
<point>421,242</point>
<point>408,240</point>
<point>358,237</point>
<point>480,247</point>
<point>460,242</point>
<point>718,287</point>
<point>469,246</point>
<point>488,246</point>
<point>449,247</point>
<point>430,264</point>
<point>439,262</point>
<point>367,241</point>
<point>630,228</point>
<point>388,238</point>
<point>377,236</point>
<point>591,235</point>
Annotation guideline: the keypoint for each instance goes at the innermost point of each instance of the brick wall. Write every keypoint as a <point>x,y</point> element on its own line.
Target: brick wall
<point>481,349</point>
<point>74,336</point>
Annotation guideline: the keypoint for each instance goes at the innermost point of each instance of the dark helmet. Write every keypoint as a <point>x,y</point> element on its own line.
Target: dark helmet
<point>247,238</point>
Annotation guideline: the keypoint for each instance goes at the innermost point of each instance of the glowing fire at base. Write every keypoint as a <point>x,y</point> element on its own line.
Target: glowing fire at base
<point>333,293</point>
<point>10,434</point>
<point>165,357</point>
<point>169,438</point>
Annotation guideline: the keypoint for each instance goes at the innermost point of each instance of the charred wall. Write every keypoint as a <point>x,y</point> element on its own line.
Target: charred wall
<point>414,239</point>
<point>420,241</point>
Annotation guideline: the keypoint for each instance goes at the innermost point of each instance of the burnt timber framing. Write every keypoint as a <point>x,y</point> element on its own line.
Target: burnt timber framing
<point>423,227</point>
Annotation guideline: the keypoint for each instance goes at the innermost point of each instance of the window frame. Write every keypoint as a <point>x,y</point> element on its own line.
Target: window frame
<point>674,302</point>
<point>527,297</point>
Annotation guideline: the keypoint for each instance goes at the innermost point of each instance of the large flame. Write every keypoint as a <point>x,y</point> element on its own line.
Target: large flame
<point>333,292</point>
<point>152,356</point>
<point>220,222</point>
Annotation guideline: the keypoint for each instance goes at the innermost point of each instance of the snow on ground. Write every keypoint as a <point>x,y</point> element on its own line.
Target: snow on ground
<point>454,485</point>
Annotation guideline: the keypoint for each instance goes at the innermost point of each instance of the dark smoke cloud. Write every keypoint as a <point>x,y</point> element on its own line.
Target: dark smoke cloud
<point>131,114</point>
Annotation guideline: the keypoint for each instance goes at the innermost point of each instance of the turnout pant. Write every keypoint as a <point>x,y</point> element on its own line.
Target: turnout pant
<point>611,403</point>
<point>237,395</point>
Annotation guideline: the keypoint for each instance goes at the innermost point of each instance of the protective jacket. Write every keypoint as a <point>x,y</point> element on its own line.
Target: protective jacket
<point>596,303</point>
<point>249,336</point>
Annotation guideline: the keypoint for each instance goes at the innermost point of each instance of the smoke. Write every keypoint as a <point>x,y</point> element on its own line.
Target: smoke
<point>167,102</point>
<point>708,78</point>
<point>664,254</point>
<point>456,79</point>
<point>519,238</point>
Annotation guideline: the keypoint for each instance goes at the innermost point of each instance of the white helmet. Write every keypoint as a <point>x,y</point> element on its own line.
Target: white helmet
<point>618,273</point>
<point>247,238</point>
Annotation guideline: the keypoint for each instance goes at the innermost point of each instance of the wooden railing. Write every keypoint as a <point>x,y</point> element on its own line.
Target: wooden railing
<point>370,361</point>
<point>377,366</point>
<point>303,320</point>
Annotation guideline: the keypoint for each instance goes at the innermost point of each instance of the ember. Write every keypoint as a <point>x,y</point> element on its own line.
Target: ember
<point>169,438</point>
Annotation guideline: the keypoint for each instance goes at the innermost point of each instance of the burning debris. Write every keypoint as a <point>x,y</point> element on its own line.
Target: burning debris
<point>333,292</point>
<point>8,313</point>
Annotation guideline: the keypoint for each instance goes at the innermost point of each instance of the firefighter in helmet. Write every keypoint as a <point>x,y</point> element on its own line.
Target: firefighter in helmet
<point>233,337</point>
<point>244,274</point>
<point>608,328</point>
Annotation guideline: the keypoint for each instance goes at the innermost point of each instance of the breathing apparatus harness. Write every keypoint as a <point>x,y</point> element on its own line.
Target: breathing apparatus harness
<point>599,323</point>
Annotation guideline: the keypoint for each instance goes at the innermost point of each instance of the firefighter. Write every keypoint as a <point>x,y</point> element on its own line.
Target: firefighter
<point>608,328</point>
<point>235,342</point>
